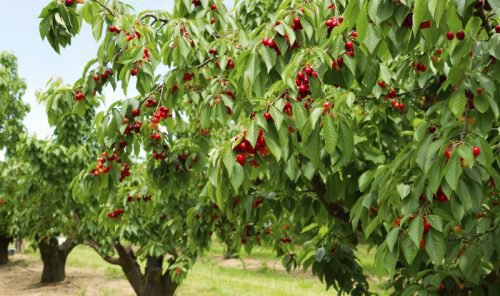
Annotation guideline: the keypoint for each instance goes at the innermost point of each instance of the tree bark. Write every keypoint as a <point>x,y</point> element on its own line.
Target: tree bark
<point>155,282</point>
<point>5,240</point>
<point>132,270</point>
<point>54,259</point>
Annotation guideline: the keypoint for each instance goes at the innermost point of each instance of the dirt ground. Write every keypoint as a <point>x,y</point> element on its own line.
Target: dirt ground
<point>21,277</point>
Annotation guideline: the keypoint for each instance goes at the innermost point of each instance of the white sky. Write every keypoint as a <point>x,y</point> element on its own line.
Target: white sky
<point>38,61</point>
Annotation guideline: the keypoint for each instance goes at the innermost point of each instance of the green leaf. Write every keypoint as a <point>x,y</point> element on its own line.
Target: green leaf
<point>403,190</point>
<point>346,140</point>
<point>371,39</point>
<point>392,238</point>
<point>268,56</point>
<point>415,230</point>
<point>409,250</point>
<point>330,134</point>
<point>457,103</point>
<point>419,14</point>
<point>435,247</point>
<point>229,160</point>
<point>237,176</point>
<point>436,8</point>
<point>453,171</point>
<point>436,222</point>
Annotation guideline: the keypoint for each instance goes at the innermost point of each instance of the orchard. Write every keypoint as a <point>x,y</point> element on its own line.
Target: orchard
<point>308,127</point>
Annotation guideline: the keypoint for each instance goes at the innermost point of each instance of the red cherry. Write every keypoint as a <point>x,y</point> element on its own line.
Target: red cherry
<point>432,129</point>
<point>315,74</point>
<point>382,84</point>
<point>268,116</point>
<point>308,70</point>
<point>303,89</point>
<point>104,76</point>
<point>301,76</point>
<point>354,34</point>
<point>422,244</point>
<point>212,21</point>
<point>95,77</point>
<point>134,72</point>
<point>340,61</point>
<point>497,29</point>
<point>241,159</point>
<point>213,7</point>
<point>460,35</point>
<point>427,226</point>
<point>331,6</point>
<point>450,35</point>
<point>349,46</point>
<point>447,153</point>
<point>68,2</point>
<point>327,105</point>
<point>476,151</point>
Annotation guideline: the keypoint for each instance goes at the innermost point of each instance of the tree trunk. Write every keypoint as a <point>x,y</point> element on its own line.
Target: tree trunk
<point>229,251</point>
<point>54,260</point>
<point>155,282</point>
<point>4,249</point>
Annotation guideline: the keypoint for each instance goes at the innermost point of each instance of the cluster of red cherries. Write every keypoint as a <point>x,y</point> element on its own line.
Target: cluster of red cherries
<point>460,35</point>
<point>145,198</point>
<point>100,168</point>
<point>116,213</point>
<point>245,149</point>
<point>302,80</point>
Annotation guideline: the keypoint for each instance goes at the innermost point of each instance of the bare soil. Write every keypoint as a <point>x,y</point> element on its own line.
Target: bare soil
<point>21,277</point>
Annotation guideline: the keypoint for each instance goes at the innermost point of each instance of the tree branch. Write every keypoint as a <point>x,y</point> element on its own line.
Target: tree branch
<point>155,18</point>
<point>104,7</point>
<point>112,260</point>
<point>204,63</point>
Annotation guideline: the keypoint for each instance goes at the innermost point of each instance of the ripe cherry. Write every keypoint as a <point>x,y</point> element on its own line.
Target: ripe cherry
<point>327,105</point>
<point>104,76</point>
<point>382,84</point>
<point>136,112</point>
<point>354,34</point>
<point>268,116</point>
<point>213,7</point>
<point>95,77</point>
<point>460,35</point>
<point>349,46</point>
<point>476,151</point>
<point>432,129</point>
<point>301,76</point>
<point>241,159</point>
<point>497,29</point>
<point>134,72</point>
<point>308,70</point>
<point>447,153</point>
<point>427,226</point>
<point>450,35</point>
<point>68,3</point>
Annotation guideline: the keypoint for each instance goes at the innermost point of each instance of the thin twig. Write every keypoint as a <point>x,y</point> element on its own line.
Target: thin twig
<point>104,7</point>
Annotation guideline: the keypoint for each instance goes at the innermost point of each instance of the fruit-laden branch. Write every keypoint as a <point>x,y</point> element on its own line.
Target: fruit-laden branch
<point>333,208</point>
<point>104,7</point>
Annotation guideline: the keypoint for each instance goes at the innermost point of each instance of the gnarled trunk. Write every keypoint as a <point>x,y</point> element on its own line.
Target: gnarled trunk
<point>152,283</point>
<point>54,259</point>
<point>5,240</point>
<point>156,283</point>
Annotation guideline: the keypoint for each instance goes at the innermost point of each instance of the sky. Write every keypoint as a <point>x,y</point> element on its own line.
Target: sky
<point>38,62</point>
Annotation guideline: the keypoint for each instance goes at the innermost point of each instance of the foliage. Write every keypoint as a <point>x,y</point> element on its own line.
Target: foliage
<point>347,118</point>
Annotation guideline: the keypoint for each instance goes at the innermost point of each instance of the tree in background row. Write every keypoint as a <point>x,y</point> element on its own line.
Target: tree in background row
<point>345,118</point>
<point>12,112</point>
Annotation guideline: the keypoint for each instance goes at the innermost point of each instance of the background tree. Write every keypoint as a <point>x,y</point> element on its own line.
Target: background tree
<point>343,114</point>
<point>12,112</point>
<point>45,208</point>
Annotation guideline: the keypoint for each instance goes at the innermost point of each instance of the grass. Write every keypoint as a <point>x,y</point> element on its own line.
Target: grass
<point>210,277</point>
